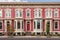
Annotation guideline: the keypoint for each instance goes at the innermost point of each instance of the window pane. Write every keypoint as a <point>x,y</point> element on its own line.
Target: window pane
<point>39,13</point>
<point>34,24</point>
<point>35,13</point>
<point>8,12</point>
<point>56,25</point>
<point>28,13</point>
<point>38,24</point>
<point>18,25</point>
<point>20,14</point>
<point>49,13</point>
<point>0,25</point>
<point>56,13</point>
<point>0,13</point>
<point>46,14</point>
<point>16,13</point>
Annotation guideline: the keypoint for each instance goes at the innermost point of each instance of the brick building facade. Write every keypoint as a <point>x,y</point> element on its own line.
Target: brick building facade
<point>28,17</point>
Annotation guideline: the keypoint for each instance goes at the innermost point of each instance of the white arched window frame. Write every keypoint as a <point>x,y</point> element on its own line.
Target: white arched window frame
<point>19,13</point>
<point>38,13</point>
<point>48,13</point>
<point>38,25</point>
<point>56,12</point>
<point>8,13</point>
<point>56,25</point>
<point>28,12</point>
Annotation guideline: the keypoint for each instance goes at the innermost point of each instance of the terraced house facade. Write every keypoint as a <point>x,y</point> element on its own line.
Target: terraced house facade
<point>29,18</point>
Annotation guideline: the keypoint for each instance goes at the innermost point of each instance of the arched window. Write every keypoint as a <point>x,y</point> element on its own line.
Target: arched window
<point>56,24</point>
<point>35,13</point>
<point>38,13</point>
<point>27,12</point>
<point>7,13</point>
<point>19,13</point>
<point>56,13</point>
<point>48,13</point>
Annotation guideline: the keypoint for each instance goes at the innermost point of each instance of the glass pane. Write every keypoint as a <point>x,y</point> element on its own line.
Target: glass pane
<point>0,13</point>
<point>56,25</point>
<point>56,14</point>
<point>28,13</point>
<point>35,13</point>
<point>18,25</point>
<point>17,13</point>
<point>39,13</point>
<point>0,25</point>
<point>7,12</point>
<point>38,24</point>
<point>34,24</point>
<point>49,13</point>
<point>20,14</point>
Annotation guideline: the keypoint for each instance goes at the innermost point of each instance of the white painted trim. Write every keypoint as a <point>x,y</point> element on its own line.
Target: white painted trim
<point>47,11</point>
<point>38,30</point>
<point>18,30</point>
<point>6,24</point>
<point>30,25</point>
<point>29,12</point>
<point>37,9</point>
<point>57,12</point>
<point>9,13</point>
<point>1,12</point>
<point>19,13</point>
<point>23,25</point>
<point>58,25</point>
<point>52,6</point>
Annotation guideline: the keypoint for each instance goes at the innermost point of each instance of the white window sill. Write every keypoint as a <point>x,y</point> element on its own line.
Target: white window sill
<point>18,17</point>
<point>37,17</point>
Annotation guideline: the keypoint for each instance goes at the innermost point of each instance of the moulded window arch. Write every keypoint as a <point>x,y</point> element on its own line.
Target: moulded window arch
<point>38,13</point>
<point>28,12</point>
<point>8,12</point>
<point>19,13</point>
<point>56,12</point>
<point>48,13</point>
